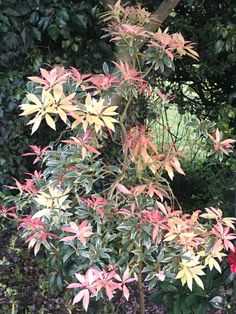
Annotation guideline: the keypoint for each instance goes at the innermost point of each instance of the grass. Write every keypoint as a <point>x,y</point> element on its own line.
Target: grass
<point>170,127</point>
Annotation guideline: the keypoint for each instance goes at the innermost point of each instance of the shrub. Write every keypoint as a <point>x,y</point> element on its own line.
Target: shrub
<point>107,224</point>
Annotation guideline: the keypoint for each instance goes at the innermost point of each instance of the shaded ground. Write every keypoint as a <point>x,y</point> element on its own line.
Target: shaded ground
<point>23,282</point>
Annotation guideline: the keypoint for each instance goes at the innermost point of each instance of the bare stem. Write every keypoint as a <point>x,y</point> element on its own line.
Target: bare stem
<point>141,290</point>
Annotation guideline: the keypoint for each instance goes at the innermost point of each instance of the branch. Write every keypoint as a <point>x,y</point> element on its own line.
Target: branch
<point>161,14</point>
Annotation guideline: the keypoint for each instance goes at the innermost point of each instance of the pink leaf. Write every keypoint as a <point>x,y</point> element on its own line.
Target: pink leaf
<point>126,292</point>
<point>74,285</point>
<point>123,189</point>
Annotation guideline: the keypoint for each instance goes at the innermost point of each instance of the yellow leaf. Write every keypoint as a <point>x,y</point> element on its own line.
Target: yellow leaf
<point>198,281</point>
<point>75,124</point>
<point>41,213</point>
<point>170,237</point>
<point>44,201</point>
<point>96,121</point>
<point>62,114</point>
<point>50,121</point>
<point>29,109</point>
<point>57,92</point>
<point>110,111</point>
<point>34,99</point>
<point>189,278</point>
<point>36,123</point>
<point>47,98</point>
<point>108,121</point>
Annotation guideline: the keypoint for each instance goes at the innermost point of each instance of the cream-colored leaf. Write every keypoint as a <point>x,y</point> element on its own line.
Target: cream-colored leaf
<point>67,100</point>
<point>229,222</point>
<point>183,280</point>
<point>110,111</point>
<point>109,122</point>
<point>34,99</point>
<point>198,281</point>
<point>180,274</point>
<point>83,152</point>
<point>36,123</point>
<point>61,200</point>
<point>44,201</point>
<point>29,109</point>
<point>217,266</point>
<point>97,128</point>
<point>88,100</point>
<point>62,114</point>
<point>170,237</point>
<point>75,124</point>
<point>41,213</point>
<point>50,121</point>
<point>96,121</point>
<point>57,92</point>
<point>189,278</point>
<point>47,98</point>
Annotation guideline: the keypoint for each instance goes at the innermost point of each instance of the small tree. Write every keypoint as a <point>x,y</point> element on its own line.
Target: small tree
<point>110,223</point>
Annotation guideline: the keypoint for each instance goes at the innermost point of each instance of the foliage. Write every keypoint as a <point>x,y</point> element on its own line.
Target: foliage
<point>209,86</point>
<point>110,224</point>
<point>217,295</point>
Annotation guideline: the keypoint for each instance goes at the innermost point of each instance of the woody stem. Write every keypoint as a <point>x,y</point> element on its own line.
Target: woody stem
<point>141,290</point>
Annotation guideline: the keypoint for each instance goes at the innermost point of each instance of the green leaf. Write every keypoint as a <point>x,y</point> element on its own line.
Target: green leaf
<point>10,12</point>
<point>53,32</point>
<point>177,306</point>
<point>169,287</point>
<point>67,256</point>
<point>4,19</point>
<point>59,281</point>
<point>36,33</point>
<point>105,68</point>
<point>81,20</point>
<point>34,17</point>
<point>219,46</point>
